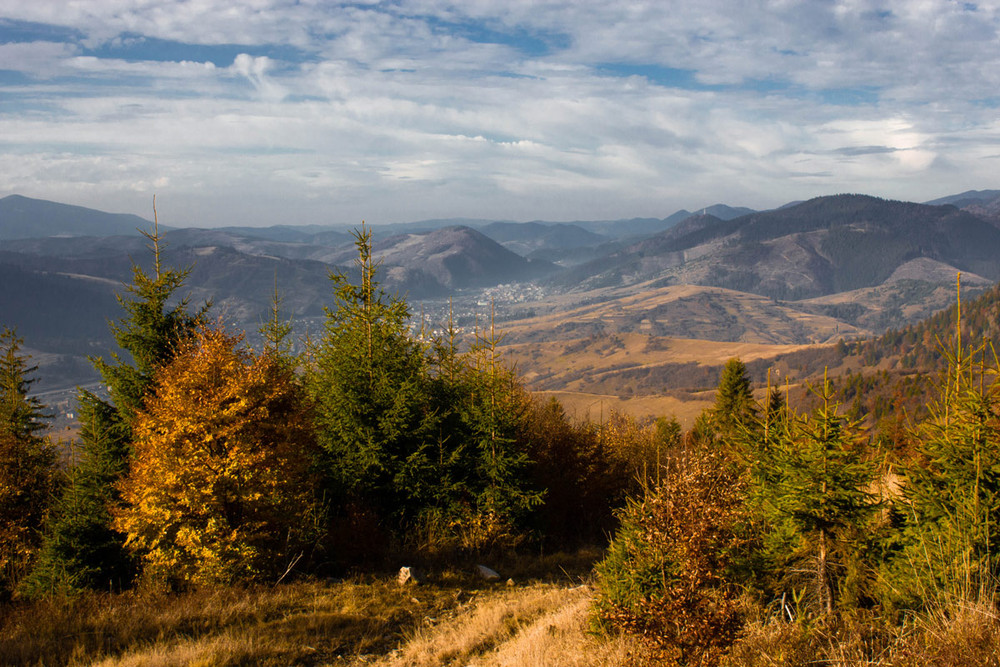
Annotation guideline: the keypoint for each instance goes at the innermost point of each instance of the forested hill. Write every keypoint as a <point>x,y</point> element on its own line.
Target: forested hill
<point>919,346</point>
<point>891,379</point>
<point>24,217</point>
<point>824,246</point>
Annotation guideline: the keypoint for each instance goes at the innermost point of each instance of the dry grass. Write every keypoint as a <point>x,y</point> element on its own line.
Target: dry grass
<point>582,406</point>
<point>453,618</point>
<point>305,623</point>
<point>962,634</point>
<point>538,625</point>
<point>687,311</point>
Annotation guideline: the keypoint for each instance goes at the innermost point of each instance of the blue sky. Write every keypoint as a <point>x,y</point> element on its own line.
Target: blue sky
<point>313,112</point>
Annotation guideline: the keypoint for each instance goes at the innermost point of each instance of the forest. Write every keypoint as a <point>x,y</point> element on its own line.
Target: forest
<point>770,533</point>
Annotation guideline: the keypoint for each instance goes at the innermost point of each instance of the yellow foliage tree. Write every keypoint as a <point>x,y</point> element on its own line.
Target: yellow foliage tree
<point>219,489</point>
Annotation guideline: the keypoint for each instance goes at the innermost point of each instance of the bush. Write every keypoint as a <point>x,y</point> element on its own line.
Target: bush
<point>669,572</point>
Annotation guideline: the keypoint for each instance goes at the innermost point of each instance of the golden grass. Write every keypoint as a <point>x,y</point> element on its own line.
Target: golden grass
<point>456,620</point>
<point>453,617</point>
<point>293,624</point>
<point>627,309</point>
<point>538,625</point>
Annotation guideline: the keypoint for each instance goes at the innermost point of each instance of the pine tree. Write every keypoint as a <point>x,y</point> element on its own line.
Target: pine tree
<point>150,332</point>
<point>494,408</point>
<point>81,550</point>
<point>952,490</point>
<point>276,330</point>
<point>27,465</point>
<point>809,483</point>
<point>21,415</point>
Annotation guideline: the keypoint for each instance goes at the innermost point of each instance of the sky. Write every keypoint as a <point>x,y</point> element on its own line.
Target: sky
<point>263,112</point>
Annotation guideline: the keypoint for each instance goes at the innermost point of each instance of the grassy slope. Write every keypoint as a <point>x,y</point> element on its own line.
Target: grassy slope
<point>454,620</point>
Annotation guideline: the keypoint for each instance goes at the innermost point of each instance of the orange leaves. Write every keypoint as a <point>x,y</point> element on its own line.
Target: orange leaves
<point>220,476</point>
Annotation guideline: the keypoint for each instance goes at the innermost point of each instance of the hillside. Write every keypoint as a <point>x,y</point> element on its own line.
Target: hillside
<point>819,247</point>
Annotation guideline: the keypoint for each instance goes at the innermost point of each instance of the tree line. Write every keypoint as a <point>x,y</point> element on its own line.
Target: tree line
<point>210,462</point>
<point>811,519</point>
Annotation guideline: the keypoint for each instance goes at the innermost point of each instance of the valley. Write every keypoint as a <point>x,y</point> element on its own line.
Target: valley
<point>636,315</point>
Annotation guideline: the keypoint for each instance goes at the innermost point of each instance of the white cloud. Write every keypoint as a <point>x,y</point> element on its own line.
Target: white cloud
<point>434,108</point>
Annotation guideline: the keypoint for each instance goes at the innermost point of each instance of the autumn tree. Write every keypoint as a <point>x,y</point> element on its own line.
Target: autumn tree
<point>583,480</point>
<point>219,490</point>
<point>27,465</point>
<point>670,574</point>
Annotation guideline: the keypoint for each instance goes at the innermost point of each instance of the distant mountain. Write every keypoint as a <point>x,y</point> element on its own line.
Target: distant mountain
<point>451,258</point>
<point>53,311</point>
<point>292,234</point>
<point>23,217</point>
<point>537,240</point>
<point>967,198</point>
<point>819,247</point>
<point>236,272</point>
<point>723,212</point>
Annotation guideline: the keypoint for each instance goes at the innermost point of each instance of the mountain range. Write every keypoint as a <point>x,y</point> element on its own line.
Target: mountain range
<point>842,265</point>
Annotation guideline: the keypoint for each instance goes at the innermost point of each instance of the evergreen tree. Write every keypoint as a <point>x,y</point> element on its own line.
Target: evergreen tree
<point>810,485</point>
<point>21,415</point>
<point>952,489</point>
<point>369,383</point>
<point>27,465</point>
<point>150,332</point>
<point>276,330</point>
<point>734,404</point>
<point>84,551</point>
<point>81,550</point>
<point>494,408</point>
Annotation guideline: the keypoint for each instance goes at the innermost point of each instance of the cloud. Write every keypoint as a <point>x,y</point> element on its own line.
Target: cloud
<point>431,108</point>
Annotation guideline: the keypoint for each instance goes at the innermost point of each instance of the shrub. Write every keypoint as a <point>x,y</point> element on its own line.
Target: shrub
<point>668,574</point>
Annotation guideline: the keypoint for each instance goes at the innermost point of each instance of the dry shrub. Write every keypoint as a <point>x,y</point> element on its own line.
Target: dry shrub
<point>774,643</point>
<point>667,576</point>
<point>958,635</point>
<point>961,633</point>
<point>848,639</point>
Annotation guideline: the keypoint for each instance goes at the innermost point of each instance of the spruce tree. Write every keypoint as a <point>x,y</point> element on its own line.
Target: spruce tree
<point>952,489</point>
<point>369,384</point>
<point>810,486</point>
<point>734,404</point>
<point>81,549</point>
<point>27,465</point>
<point>21,415</point>
<point>493,412</point>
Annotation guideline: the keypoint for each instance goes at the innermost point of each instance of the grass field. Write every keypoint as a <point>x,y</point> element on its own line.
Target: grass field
<point>451,617</point>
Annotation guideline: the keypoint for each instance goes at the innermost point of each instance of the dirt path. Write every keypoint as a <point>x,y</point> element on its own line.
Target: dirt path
<point>531,626</point>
